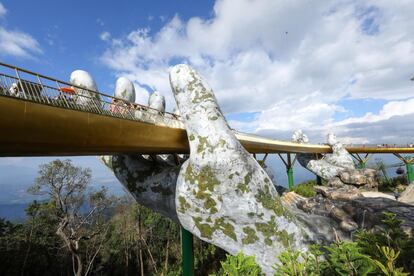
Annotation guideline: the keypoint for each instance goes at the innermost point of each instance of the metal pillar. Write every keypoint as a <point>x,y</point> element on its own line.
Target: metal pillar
<point>361,165</point>
<point>291,183</point>
<point>408,161</point>
<point>289,169</point>
<point>410,173</point>
<point>362,161</point>
<point>187,254</point>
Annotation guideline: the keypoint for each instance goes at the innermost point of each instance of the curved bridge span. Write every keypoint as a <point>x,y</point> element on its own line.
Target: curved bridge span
<point>37,118</point>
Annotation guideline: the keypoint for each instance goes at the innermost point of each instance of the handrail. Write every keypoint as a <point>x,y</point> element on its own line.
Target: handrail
<point>12,86</point>
<point>76,86</point>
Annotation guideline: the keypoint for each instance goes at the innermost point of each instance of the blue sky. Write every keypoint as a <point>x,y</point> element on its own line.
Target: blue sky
<point>68,32</point>
<point>275,66</point>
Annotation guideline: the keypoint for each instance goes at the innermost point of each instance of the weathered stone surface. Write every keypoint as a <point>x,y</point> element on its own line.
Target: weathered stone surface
<point>340,156</point>
<point>360,212</point>
<point>124,89</point>
<point>157,101</point>
<point>337,168</point>
<point>223,195</point>
<point>377,194</point>
<point>331,164</point>
<point>408,195</point>
<point>360,177</point>
<point>335,182</point>
<point>151,182</point>
<point>84,79</point>
<point>303,158</point>
<point>341,193</point>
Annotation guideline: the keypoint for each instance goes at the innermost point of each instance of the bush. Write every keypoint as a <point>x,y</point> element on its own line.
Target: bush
<point>240,265</point>
<point>388,251</point>
<point>305,189</point>
<point>392,236</point>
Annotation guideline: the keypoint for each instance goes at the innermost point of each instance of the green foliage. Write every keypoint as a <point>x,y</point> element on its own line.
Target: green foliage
<point>341,258</point>
<point>389,268</point>
<point>240,265</point>
<point>345,258</point>
<point>296,263</point>
<point>392,236</point>
<point>388,251</point>
<point>305,189</point>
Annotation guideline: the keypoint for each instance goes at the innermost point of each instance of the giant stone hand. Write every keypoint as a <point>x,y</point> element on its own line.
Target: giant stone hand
<point>331,165</point>
<point>223,195</point>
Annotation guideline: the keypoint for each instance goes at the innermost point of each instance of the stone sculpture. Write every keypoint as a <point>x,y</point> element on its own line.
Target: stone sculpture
<point>220,193</point>
<point>84,97</point>
<point>223,195</point>
<point>157,101</point>
<point>330,165</point>
<point>124,89</point>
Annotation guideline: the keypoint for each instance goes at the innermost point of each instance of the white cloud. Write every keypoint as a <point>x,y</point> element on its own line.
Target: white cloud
<point>291,61</point>
<point>105,36</point>
<point>3,10</point>
<point>17,43</point>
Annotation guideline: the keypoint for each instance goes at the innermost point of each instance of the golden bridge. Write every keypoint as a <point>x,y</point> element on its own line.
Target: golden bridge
<point>42,116</point>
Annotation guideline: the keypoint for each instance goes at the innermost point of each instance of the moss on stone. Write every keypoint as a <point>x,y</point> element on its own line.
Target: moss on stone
<point>210,203</point>
<point>203,145</point>
<point>226,227</point>
<point>205,180</point>
<point>268,241</point>
<point>286,238</point>
<point>251,236</point>
<point>206,231</point>
<point>273,203</point>
<point>244,185</point>
<point>191,137</point>
<point>183,204</point>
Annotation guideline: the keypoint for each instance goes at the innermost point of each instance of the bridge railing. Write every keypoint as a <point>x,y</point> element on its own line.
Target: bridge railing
<point>31,86</point>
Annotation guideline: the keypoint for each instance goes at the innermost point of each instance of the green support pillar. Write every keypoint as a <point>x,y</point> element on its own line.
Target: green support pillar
<point>291,183</point>
<point>362,165</point>
<point>187,254</point>
<point>410,174</point>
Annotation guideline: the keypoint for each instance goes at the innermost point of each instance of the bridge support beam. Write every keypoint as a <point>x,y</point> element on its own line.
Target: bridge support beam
<point>362,161</point>
<point>289,163</point>
<point>408,161</point>
<point>187,253</point>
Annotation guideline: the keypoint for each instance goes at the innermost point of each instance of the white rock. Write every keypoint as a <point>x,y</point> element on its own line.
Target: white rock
<point>84,79</point>
<point>223,196</point>
<point>157,101</point>
<point>124,89</point>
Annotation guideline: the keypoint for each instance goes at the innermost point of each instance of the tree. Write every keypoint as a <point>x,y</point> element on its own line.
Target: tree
<point>66,185</point>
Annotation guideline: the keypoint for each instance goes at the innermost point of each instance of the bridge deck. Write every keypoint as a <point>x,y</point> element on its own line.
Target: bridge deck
<point>34,129</point>
<point>40,120</point>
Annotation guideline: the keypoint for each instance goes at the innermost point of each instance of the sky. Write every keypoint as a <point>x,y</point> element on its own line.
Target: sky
<point>275,66</point>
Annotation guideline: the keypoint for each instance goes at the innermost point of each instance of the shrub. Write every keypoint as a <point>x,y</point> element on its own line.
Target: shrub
<point>391,235</point>
<point>240,265</point>
<point>305,189</point>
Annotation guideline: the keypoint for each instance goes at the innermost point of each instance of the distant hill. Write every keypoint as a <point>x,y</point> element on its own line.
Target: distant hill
<point>14,212</point>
